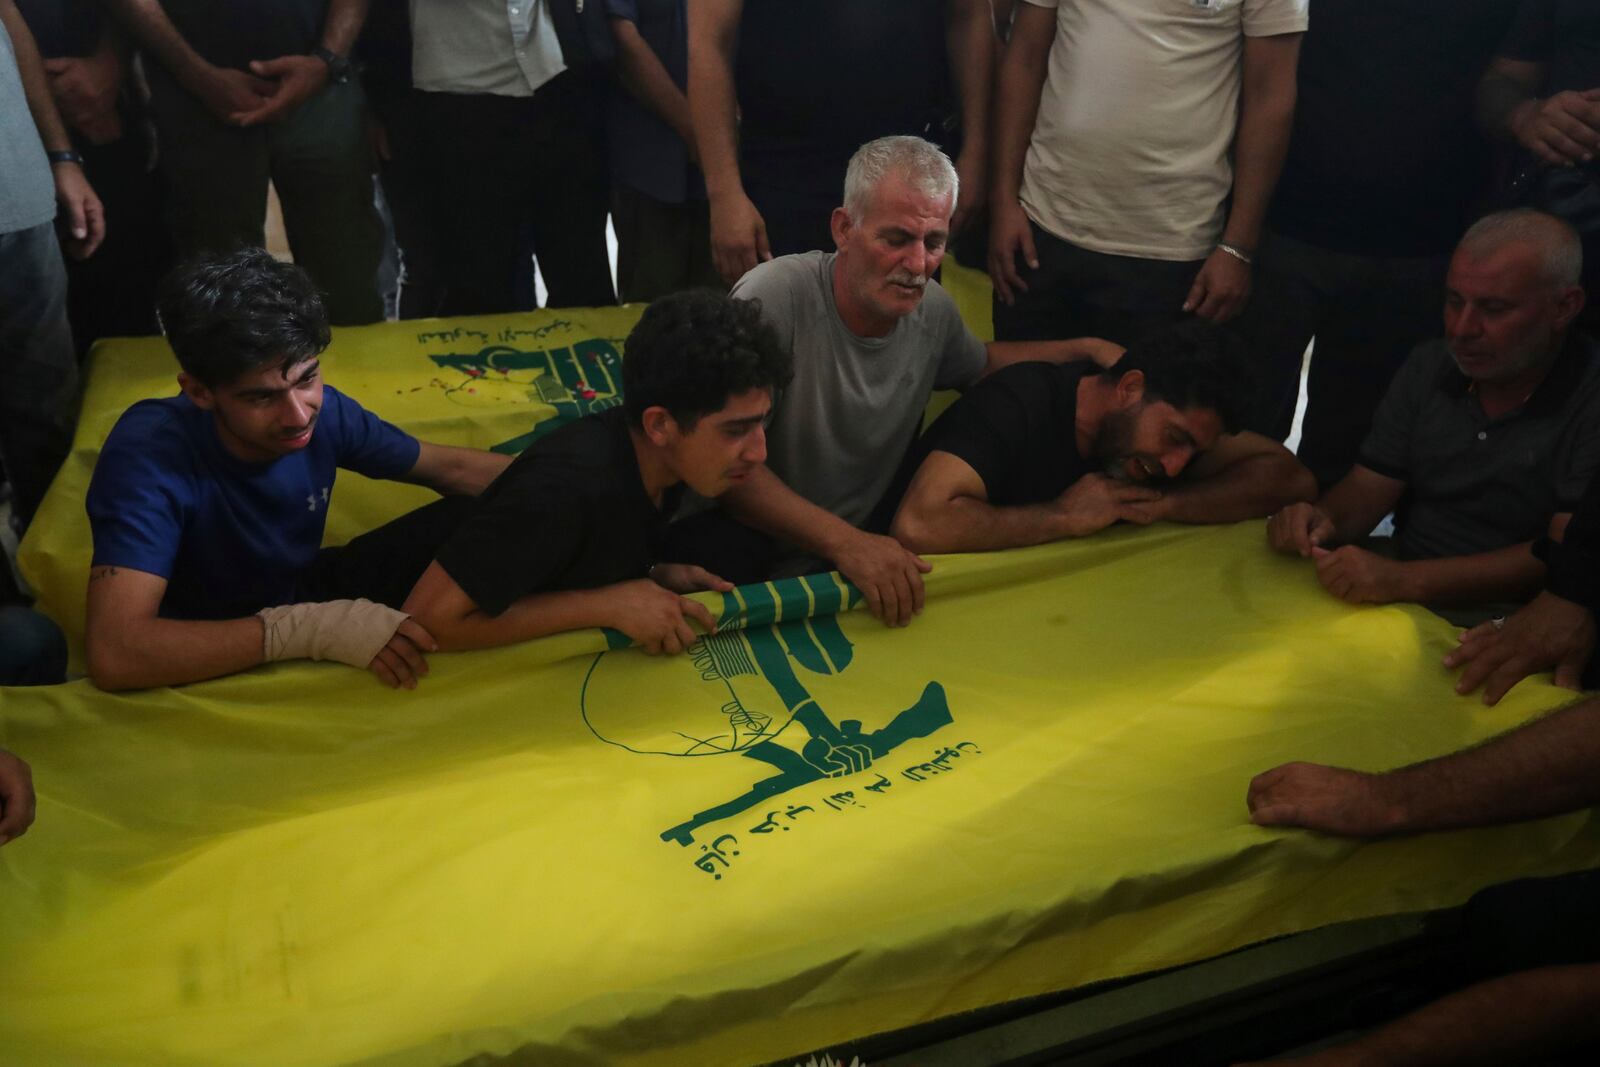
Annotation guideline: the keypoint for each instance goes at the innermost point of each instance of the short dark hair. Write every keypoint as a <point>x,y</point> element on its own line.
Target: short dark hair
<point>1194,364</point>
<point>226,315</point>
<point>693,350</point>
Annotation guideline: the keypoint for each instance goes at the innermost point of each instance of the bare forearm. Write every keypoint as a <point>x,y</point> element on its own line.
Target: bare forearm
<point>1542,768</point>
<point>149,25</point>
<point>1004,353</point>
<point>1353,515</point>
<point>461,471</point>
<point>1249,489</point>
<point>1016,100</point>
<point>965,524</point>
<point>648,81</point>
<point>1265,122</point>
<point>768,505</point>
<point>342,25</point>
<point>35,86</point>
<point>713,26</point>
<point>969,39</point>
<point>533,616</point>
<point>1511,573</point>
<point>158,652</point>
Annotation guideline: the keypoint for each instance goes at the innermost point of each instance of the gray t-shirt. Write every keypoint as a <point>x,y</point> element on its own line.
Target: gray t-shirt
<point>1475,484</point>
<point>839,430</point>
<point>27,192</point>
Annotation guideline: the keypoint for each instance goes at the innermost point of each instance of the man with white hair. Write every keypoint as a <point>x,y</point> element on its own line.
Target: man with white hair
<point>1485,440</point>
<point>872,335</point>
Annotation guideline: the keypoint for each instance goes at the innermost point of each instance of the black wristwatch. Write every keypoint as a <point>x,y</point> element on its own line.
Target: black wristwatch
<point>338,66</point>
<point>64,155</point>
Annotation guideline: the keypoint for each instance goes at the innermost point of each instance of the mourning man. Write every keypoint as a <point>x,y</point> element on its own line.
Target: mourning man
<point>1040,451</point>
<point>571,535</point>
<point>1484,441</point>
<point>208,507</point>
<point>872,335</point>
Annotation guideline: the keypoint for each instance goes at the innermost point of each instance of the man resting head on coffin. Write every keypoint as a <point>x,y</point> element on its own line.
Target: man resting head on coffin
<point>1039,451</point>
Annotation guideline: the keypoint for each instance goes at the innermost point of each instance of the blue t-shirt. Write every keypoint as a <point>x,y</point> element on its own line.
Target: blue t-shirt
<point>230,537</point>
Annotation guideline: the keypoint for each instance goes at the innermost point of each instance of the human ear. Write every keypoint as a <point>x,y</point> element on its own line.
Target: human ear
<point>840,224</point>
<point>198,393</point>
<point>659,426</point>
<point>1568,305</point>
<point>1130,388</point>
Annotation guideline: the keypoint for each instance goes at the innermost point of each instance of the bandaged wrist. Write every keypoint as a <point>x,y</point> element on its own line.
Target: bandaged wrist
<point>349,631</point>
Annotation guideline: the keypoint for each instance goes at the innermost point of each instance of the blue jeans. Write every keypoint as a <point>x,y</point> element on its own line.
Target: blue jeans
<point>32,649</point>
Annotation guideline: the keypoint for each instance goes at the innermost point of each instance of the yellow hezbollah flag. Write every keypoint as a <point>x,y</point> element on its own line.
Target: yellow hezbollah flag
<point>808,829</point>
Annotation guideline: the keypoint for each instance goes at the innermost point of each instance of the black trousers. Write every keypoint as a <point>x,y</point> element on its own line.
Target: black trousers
<point>404,178</point>
<point>661,247</point>
<point>509,178</point>
<point>112,293</point>
<point>1366,312</point>
<point>384,564</point>
<point>1079,293</point>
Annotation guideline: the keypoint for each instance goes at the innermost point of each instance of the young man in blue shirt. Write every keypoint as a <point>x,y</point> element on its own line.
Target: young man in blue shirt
<point>208,507</point>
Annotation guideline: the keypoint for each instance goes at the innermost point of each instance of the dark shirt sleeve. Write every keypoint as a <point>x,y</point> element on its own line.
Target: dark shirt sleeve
<point>522,535</point>
<point>137,505</point>
<point>366,444</point>
<point>1387,449</point>
<point>987,429</point>
<point>623,9</point>
<point>1529,38</point>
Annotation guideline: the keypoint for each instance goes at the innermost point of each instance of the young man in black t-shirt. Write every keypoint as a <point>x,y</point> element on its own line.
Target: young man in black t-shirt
<point>1037,452</point>
<point>569,536</point>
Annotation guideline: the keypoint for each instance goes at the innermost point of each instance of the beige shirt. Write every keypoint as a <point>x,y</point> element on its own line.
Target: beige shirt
<point>502,47</point>
<point>1130,154</point>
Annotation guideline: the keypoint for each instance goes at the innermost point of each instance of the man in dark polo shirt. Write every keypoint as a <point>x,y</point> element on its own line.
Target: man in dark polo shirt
<point>1040,451</point>
<point>255,90</point>
<point>1367,210</point>
<point>570,536</point>
<point>1484,440</point>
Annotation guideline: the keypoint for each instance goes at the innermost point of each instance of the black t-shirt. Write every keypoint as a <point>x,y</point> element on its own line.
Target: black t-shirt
<point>818,79</point>
<point>1018,430</point>
<point>1385,158</point>
<point>63,28</point>
<point>570,513</point>
<point>231,34</point>
<point>1564,35</point>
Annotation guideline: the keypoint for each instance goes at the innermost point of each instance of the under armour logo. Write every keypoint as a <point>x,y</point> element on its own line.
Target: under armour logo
<point>311,500</point>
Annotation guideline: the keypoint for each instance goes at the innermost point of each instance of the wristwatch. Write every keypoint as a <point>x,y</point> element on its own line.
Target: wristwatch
<point>64,155</point>
<point>338,66</point>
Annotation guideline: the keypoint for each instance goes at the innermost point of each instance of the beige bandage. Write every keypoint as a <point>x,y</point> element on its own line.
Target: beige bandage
<point>350,631</point>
